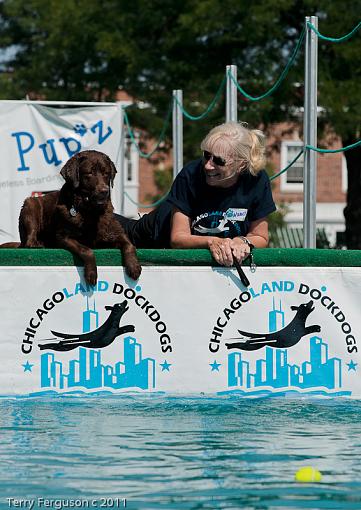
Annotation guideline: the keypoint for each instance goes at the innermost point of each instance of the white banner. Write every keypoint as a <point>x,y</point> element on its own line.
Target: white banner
<point>189,330</point>
<point>35,143</point>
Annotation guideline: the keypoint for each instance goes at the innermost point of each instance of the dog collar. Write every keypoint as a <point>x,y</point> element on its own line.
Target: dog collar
<point>73,212</point>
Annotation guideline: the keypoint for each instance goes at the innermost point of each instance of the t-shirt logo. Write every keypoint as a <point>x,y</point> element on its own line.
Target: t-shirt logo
<point>217,226</point>
<point>233,214</point>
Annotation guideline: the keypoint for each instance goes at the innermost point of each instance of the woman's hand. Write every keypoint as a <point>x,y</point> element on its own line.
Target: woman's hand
<point>240,249</point>
<point>223,250</point>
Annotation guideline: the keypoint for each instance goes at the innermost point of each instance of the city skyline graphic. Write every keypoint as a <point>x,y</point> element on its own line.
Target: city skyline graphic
<point>274,370</point>
<point>87,370</point>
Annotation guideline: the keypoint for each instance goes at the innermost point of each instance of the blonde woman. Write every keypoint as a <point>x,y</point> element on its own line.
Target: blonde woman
<point>219,202</point>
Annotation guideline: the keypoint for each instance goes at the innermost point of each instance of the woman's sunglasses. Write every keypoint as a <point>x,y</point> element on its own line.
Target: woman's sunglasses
<point>217,160</point>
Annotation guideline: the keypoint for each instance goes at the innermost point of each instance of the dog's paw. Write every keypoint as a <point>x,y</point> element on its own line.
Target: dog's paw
<point>133,270</point>
<point>34,244</point>
<point>91,276</point>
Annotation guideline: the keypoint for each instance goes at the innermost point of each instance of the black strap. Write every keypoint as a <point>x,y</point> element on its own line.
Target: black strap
<point>240,272</point>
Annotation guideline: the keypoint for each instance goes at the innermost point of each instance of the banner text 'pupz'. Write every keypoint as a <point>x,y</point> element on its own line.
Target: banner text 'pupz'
<point>26,143</point>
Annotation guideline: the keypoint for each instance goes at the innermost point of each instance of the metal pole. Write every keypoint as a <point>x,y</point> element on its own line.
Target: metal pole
<point>177,132</point>
<point>310,136</point>
<point>231,94</point>
<point>123,135</point>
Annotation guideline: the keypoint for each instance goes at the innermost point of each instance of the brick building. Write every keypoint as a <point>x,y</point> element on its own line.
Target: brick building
<point>284,144</point>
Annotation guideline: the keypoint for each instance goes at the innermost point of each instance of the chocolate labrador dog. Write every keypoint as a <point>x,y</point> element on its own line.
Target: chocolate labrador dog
<point>79,216</point>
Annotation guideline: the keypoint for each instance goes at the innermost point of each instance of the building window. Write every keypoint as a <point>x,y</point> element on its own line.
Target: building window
<point>292,180</point>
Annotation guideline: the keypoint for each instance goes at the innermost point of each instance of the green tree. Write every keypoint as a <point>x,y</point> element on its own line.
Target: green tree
<point>54,50</point>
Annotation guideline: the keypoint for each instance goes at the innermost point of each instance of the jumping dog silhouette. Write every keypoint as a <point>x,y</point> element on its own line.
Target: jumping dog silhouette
<point>286,337</point>
<point>100,337</point>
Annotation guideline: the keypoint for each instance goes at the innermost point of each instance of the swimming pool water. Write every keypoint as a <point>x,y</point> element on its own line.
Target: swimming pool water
<point>162,452</point>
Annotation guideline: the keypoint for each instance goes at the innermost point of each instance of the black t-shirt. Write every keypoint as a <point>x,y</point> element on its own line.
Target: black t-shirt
<point>221,212</point>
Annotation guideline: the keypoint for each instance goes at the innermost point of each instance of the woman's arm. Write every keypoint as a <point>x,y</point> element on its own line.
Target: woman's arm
<point>181,236</point>
<point>222,250</point>
<point>257,235</point>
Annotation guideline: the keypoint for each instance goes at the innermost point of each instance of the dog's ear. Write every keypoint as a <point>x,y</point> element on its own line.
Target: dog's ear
<point>113,171</point>
<point>70,171</point>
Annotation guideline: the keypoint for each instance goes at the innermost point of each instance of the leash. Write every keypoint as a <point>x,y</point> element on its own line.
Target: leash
<point>240,272</point>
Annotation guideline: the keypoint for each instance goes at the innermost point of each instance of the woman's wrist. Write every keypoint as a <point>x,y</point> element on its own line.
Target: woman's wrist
<point>246,241</point>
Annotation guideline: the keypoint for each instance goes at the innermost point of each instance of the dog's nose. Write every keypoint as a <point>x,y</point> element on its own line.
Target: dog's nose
<point>103,194</point>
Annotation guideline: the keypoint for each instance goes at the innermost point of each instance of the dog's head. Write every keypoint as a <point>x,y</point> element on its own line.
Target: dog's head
<point>91,174</point>
<point>118,308</point>
<point>304,309</point>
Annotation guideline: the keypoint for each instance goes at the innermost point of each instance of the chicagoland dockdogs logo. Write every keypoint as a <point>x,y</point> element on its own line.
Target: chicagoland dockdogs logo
<point>296,353</point>
<point>99,355</point>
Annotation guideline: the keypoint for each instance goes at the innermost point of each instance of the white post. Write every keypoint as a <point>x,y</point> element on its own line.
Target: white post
<point>177,132</point>
<point>310,136</point>
<point>231,94</point>
<point>123,136</point>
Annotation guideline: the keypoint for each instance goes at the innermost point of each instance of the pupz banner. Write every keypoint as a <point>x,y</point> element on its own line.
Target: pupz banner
<point>35,143</point>
<point>187,330</point>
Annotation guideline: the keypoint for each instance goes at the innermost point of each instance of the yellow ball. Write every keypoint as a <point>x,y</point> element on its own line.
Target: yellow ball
<point>308,474</point>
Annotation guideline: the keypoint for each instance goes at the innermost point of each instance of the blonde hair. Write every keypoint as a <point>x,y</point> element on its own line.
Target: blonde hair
<point>234,139</point>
